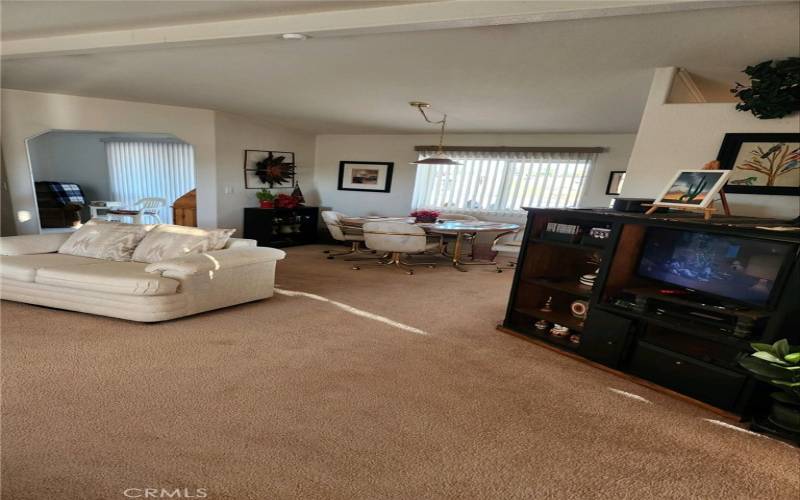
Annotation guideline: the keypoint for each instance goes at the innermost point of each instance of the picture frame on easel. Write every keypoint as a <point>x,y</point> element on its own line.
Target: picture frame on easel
<point>692,190</point>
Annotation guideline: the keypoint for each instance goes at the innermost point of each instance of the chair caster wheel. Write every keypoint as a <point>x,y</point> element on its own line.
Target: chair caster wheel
<point>432,267</point>
<point>326,251</point>
<point>499,270</point>
<point>329,257</point>
<point>355,268</point>
<point>409,273</point>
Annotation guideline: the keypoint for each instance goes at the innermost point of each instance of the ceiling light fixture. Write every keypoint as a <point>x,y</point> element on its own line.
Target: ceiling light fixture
<point>438,158</point>
<point>294,36</point>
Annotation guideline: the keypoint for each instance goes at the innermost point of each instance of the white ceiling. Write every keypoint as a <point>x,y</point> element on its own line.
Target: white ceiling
<point>586,75</point>
<point>27,18</point>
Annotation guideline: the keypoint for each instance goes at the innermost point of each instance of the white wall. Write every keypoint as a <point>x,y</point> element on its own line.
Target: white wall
<point>331,149</point>
<point>680,136</point>
<point>26,114</point>
<point>68,157</point>
<point>234,134</point>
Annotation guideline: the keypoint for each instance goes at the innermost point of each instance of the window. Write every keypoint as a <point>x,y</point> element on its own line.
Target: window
<point>150,170</point>
<point>501,183</point>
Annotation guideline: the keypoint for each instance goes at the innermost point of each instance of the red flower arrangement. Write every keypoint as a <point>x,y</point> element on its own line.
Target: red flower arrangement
<point>425,215</point>
<point>285,201</point>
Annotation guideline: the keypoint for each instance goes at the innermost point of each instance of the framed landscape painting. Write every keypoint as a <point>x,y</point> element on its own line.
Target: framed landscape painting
<point>365,176</point>
<point>762,163</point>
<point>692,188</point>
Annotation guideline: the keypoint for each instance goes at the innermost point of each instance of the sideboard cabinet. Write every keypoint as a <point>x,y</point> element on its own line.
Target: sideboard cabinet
<point>281,227</point>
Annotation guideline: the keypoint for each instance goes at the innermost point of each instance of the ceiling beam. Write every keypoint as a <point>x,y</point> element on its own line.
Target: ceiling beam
<point>398,18</point>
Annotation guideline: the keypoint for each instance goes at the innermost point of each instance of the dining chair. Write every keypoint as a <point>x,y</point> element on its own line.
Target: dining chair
<point>343,233</point>
<point>508,244</point>
<point>446,239</point>
<point>398,240</point>
<point>446,217</point>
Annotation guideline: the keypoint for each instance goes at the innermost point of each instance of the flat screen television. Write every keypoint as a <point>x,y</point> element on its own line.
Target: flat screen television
<point>742,270</point>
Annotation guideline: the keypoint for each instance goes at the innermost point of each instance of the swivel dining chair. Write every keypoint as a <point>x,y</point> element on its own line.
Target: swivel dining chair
<point>446,239</point>
<point>509,244</point>
<point>343,233</point>
<point>398,239</point>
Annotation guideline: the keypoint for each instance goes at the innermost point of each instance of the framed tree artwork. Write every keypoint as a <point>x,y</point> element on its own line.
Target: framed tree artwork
<point>762,163</point>
<point>268,169</point>
<point>365,176</point>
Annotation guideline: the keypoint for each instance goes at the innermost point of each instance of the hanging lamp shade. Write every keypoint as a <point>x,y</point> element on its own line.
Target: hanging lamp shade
<point>436,159</point>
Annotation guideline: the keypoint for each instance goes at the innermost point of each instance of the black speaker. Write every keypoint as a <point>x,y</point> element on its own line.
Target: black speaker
<point>634,205</point>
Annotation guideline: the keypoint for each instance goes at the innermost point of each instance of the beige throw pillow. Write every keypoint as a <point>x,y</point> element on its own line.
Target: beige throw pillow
<point>105,240</point>
<point>168,242</point>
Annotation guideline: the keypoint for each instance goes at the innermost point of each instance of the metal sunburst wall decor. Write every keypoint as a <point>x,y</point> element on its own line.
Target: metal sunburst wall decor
<point>269,169</point>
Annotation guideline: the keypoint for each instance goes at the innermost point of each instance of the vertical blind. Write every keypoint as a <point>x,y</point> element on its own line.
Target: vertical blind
<point>500,183</point>
<point>150,170</point>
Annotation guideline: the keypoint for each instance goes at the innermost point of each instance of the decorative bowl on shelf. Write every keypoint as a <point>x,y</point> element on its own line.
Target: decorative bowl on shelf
<point>559,330</point>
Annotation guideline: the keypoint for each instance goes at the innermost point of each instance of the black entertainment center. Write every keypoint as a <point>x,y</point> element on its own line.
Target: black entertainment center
<point>668,298</point>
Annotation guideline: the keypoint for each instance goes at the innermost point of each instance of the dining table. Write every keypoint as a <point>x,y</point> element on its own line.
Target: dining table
<point>461,229</point>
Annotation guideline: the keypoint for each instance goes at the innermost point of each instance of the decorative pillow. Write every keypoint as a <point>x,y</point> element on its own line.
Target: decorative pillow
<point>169,242</point>
<point>105,240</point>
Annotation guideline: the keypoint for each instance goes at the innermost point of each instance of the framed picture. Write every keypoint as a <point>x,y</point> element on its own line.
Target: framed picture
<point>761,163</point>
<point>365,176</point>
<point>692,188</point>
<point>268,169</point>
<point>615,180</point>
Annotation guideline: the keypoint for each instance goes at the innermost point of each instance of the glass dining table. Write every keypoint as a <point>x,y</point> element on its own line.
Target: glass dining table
<point>461,229</point>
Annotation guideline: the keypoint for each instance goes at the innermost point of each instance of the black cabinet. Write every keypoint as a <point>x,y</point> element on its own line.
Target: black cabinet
<point>635,324</point>
<point>606,337</point>
<point>281,227</point>
<point>700,380</point>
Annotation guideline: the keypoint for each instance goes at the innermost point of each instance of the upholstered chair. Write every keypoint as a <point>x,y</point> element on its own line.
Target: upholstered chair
<point>343,233</point>
<point>446,239</point>
<point>398,239</point>
<point>446,217</point>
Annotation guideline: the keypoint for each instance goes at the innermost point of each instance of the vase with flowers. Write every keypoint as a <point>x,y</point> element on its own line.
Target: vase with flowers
<point>424,215</point>
<point>265,199</point>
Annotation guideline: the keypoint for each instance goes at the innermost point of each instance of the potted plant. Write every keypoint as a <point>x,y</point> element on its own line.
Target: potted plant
<point>265,198</point>
<point>425,215</point>
<point>779,365</point>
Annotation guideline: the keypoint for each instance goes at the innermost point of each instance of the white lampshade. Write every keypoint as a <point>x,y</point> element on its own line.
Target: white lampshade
<point>436,159</point>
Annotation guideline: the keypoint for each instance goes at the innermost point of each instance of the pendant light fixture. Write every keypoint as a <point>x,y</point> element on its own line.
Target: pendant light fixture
<point>438,158</point>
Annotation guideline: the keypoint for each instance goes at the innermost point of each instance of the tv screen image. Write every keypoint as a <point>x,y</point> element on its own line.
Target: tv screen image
<point>741,269</point>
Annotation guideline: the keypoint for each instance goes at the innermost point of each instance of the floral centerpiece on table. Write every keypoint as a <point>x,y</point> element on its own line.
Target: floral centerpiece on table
<point>425,215</point>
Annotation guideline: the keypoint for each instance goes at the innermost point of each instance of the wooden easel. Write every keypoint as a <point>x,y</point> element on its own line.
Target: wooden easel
<point>707,211</point>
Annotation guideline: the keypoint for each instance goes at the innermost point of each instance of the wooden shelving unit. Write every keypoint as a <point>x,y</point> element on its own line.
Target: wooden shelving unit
<point>677,350</point>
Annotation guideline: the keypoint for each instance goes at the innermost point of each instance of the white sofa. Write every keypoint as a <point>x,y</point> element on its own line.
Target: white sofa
<point>32,271</point>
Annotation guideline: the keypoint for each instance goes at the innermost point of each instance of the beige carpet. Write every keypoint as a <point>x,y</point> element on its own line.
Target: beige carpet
<point>299,398</point>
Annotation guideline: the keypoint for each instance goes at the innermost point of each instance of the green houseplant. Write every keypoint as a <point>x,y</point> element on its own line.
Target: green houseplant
<point>774,89</point>
<point>779,365</point>
<point>265,198</point>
